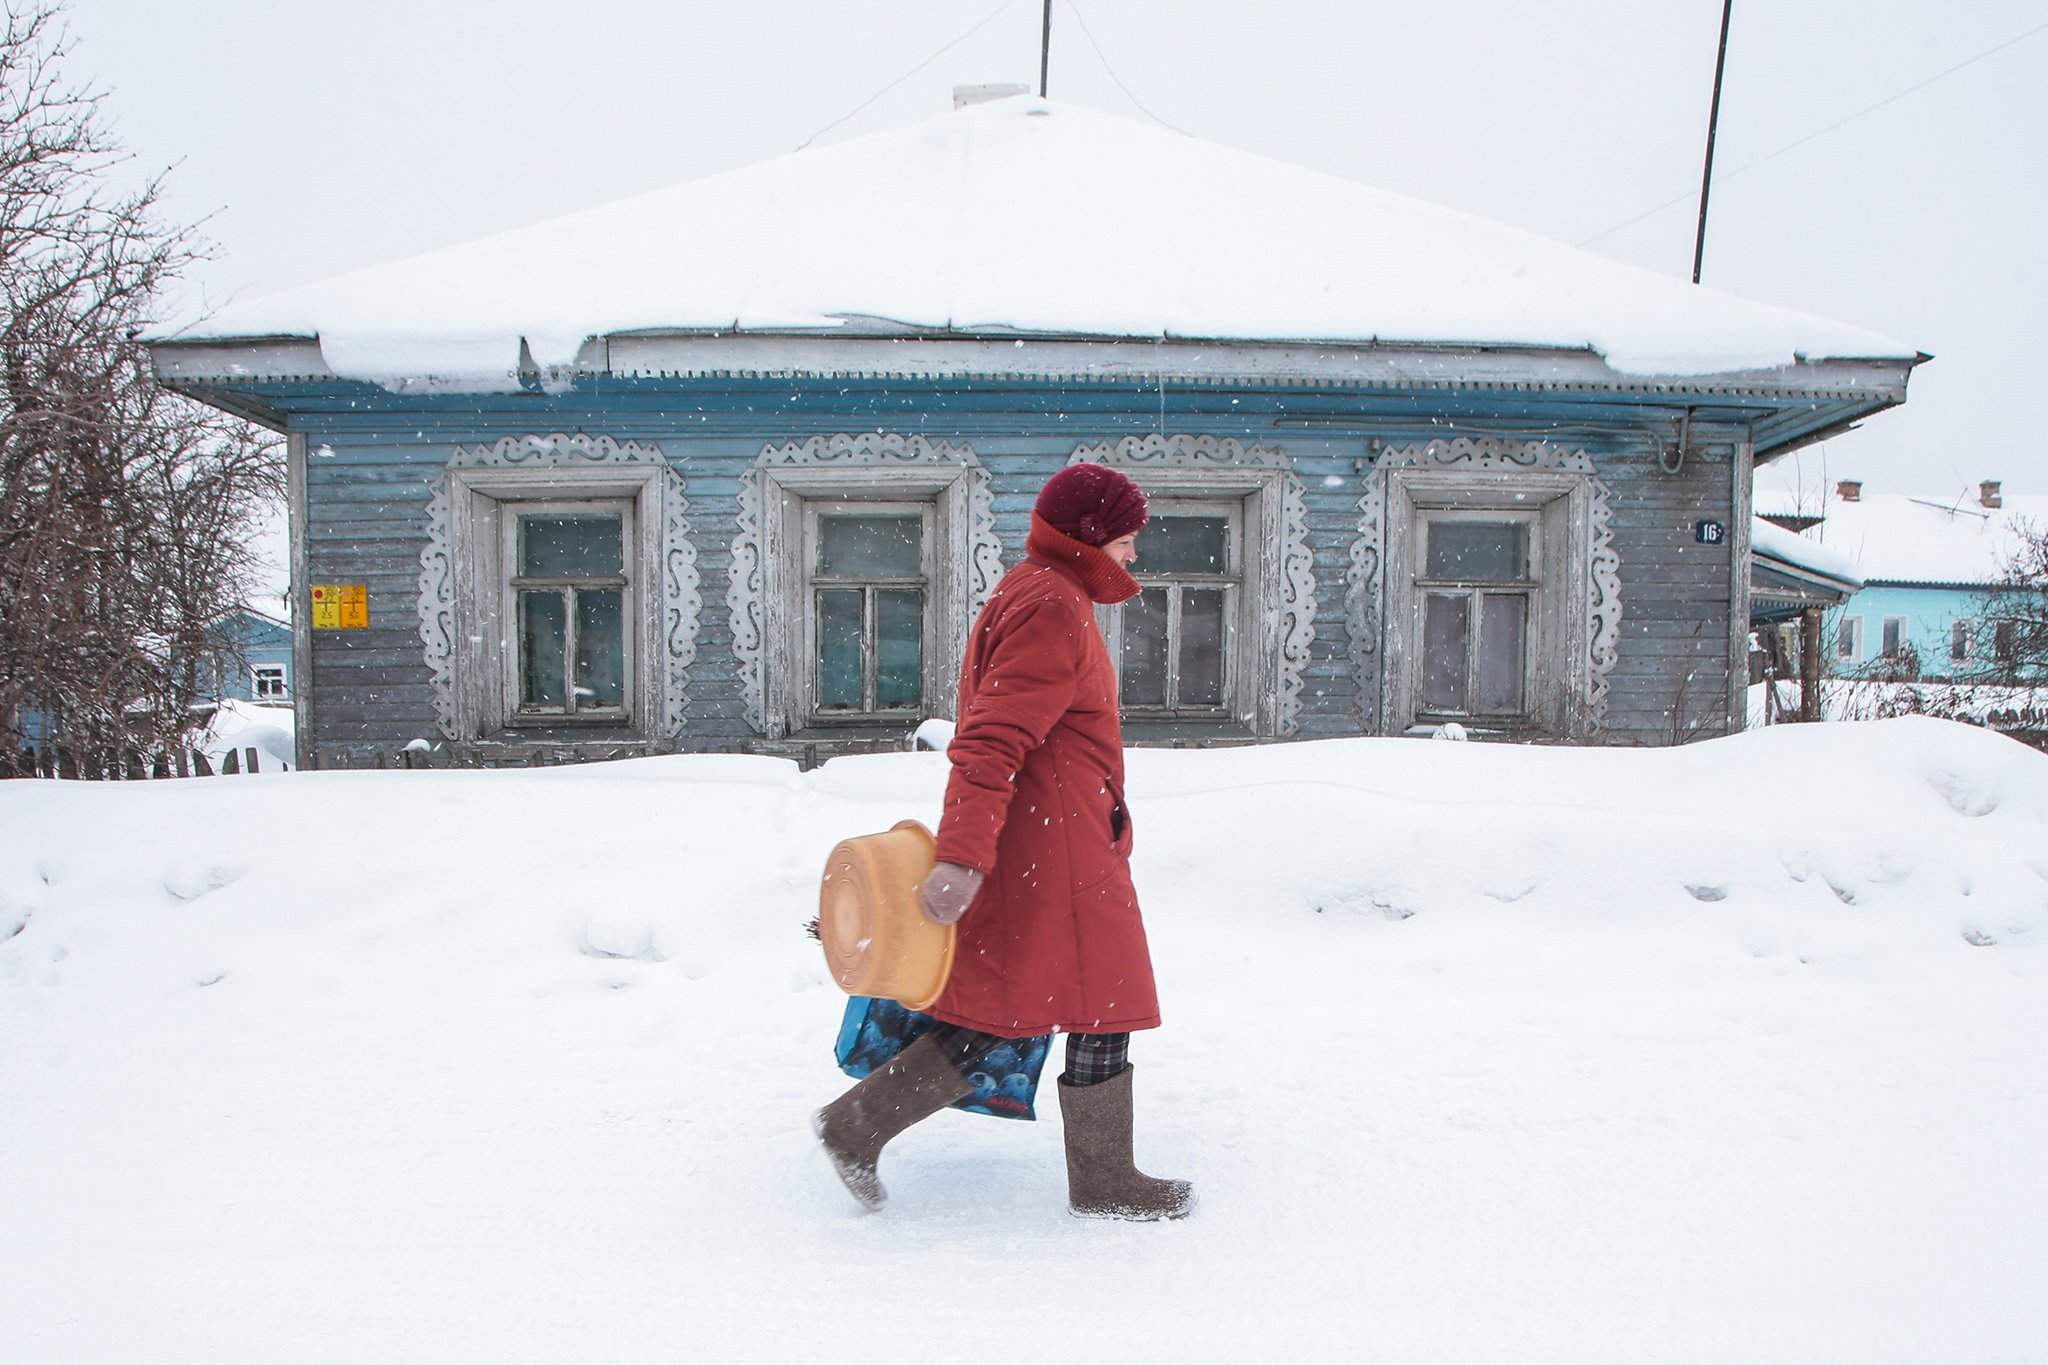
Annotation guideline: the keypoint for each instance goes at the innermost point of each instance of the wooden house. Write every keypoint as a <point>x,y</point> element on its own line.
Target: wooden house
<point>1932,570</point>
<point>731,466</point>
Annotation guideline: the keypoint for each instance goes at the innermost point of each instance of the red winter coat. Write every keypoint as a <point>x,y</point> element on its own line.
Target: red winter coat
<point>1054,939</point>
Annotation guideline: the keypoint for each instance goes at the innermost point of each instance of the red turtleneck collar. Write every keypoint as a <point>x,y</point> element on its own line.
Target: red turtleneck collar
<point>1102,578</point>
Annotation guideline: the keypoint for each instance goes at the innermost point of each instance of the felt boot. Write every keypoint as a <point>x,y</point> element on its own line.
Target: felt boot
<point>1102,1179</point>
<point>913,1085</point>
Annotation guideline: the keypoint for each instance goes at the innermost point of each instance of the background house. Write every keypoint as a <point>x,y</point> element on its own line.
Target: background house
<point>1929,568</point>
<point>732,465</point>
<point>258,667</point>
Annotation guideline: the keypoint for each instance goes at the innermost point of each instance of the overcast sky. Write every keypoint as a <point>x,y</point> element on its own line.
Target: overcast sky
<point>325,136</point>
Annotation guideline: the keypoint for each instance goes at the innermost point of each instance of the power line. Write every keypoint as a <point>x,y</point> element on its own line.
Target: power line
<point>1822,132</point>
<point>1075,10</point>
<point>985,22</point>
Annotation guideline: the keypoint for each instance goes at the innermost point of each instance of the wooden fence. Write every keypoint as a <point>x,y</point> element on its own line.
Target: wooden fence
<point>127,765</point>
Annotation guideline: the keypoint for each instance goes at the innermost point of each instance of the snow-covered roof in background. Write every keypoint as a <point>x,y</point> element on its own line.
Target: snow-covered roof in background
<point>1789,547</point>
<point>1895,538</point>
<point>1035,216</point>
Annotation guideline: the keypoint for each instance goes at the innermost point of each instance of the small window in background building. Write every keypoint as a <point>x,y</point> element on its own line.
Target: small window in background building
<point>269,682</point>
<point>1849,638</point>
<point>2004,641</point>
<point>1959,634</point>
<point>1894,636</point>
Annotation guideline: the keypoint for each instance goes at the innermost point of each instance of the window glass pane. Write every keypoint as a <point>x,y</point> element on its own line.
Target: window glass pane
<point>1445,621</point>
<point>1144,649</point>
<point>1894,637</point>
<point>571,546</point>
<point>1171,544</point>
<point>839,649</point>
<point>600,647</point>
<point>870,547</point>
<point>543,635</point>
<point>1201,647</point>
<point>1479,551</point>
<point>1847,646</point>
<point>899,647</point>
<point>1959,640</point>
<point>1503,624</point>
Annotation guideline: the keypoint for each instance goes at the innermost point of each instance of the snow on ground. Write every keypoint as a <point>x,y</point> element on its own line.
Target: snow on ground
<point>243,725</point>
<point>1730,1052</point>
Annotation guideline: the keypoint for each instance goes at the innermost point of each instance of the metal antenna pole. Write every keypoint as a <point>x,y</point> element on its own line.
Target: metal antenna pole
<point>1699,245</point>
<point>1045,49</point>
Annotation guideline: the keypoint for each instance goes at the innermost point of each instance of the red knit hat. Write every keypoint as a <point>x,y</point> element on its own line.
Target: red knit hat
<point>1092,503</point>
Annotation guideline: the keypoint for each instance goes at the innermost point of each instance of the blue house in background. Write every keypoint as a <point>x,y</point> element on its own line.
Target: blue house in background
<point>732,466</point>
<point>257,669</point>
<point>264,672</point>
<point>1929,568</point>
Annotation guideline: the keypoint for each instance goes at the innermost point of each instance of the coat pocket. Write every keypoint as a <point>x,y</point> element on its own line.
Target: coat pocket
<point>1120,836</point>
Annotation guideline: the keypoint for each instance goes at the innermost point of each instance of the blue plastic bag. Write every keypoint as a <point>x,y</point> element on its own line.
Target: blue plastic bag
<point>1005,1080</point>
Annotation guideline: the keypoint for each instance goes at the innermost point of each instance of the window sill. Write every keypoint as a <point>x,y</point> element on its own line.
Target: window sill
<point>1186,734</point>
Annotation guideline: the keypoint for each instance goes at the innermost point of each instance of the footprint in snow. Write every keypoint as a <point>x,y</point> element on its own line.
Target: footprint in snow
<point>188,881</point>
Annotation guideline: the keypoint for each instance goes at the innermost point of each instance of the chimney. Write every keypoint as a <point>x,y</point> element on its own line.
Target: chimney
<point>1850,490</point>
<point>964,95</point>
<point>1987,493</point>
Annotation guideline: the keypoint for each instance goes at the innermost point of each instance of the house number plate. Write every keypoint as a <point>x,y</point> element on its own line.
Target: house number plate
<point>1709,532</point>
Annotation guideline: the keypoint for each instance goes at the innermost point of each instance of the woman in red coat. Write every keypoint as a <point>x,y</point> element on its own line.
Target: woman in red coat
<point>1034,849</point>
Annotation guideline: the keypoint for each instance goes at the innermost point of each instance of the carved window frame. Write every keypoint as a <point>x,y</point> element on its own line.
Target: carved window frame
<point>766,599</point>
<point>1275,629</point>
<point>1574,642</point>
<point>463,625</point>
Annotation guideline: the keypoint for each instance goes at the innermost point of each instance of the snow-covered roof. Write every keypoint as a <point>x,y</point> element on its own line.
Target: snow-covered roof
<point>1025,215</point>
<point>1789,547</point>
<point>1896,538</point>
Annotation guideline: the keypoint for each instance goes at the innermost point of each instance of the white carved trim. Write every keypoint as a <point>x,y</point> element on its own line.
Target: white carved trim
<point>1285,586</point>
<point>1495,461</point>
<point>881,463</point>
<point>681,600</point>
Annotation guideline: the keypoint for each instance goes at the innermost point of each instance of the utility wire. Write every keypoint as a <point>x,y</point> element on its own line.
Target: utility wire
<point>986,21</point>
<point>1823,132</point>
<point>1075,10</point>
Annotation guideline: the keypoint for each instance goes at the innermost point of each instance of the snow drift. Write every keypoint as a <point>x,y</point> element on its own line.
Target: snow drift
<point>1474,1052</point>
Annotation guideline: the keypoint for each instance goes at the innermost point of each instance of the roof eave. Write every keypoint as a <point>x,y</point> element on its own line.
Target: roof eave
<point>879,348</point>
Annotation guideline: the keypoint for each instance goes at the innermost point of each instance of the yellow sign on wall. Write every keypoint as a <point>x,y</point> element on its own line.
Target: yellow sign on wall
<point>341,606</point>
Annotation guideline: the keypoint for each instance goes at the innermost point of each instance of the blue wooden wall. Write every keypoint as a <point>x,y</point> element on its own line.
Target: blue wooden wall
<point>372,457</point>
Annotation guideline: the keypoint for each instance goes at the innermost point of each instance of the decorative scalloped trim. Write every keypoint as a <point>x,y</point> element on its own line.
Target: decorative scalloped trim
<point>1297,607</point>
<point>745,596</point>
<point>1365,590</point>
<point>681,597</point>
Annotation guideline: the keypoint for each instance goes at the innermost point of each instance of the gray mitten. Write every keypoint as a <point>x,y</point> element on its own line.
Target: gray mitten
<point>948,891</point>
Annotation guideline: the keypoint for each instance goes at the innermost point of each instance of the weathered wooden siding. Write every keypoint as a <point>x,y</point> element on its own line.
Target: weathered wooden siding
<point>370,463</point>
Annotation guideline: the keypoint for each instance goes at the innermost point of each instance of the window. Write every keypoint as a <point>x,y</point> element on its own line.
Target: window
<point>559,594</point>
<point>1849,639</point>
<point>1218,639</point>
<point>268,682</point>
<point>1894,636</point>
<point>570,595</point>
<point>2005,641</point>
<point>1475,599</point>
<point>859,562</point>
<point>1484,586</point>
<point>1961,633</point>
<point>868,580</point>
<point>1173,641</point>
